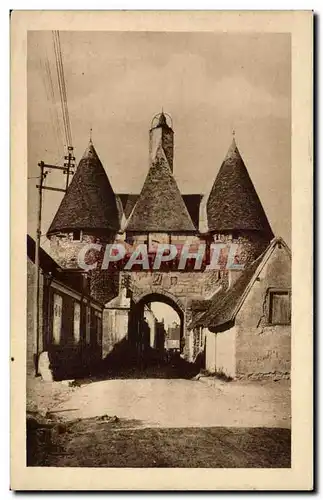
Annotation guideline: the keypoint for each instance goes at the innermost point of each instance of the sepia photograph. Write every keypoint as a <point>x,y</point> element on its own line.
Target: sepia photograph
<point>158,257</point>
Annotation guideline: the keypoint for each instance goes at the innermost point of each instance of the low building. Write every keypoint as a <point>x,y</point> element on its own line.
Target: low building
<point>69,340</point>
<point>173,336</point>
<point>246,329</point>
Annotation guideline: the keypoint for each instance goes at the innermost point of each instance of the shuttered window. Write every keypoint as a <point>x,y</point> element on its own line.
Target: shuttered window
<point>279,307</point>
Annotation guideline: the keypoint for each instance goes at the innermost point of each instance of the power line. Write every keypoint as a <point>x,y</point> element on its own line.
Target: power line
<point>62,87</point>
<point>58,69</point>
<point>52,93</point>
<point>50,102</point>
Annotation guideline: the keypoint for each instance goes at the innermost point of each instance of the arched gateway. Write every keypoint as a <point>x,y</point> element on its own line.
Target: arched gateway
<point>142,321</point>
<point>91,212</point>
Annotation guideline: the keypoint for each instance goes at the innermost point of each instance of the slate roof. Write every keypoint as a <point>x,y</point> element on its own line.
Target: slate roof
<point>160,206</point>
<point>192,202</point>
<point>233,203</point>
<point>48,265</point>
<point>128,201</point>
<point>89,202</point>
<point>225,304</point>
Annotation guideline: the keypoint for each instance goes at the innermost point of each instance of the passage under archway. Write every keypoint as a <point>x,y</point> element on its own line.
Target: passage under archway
<point>156,329</point>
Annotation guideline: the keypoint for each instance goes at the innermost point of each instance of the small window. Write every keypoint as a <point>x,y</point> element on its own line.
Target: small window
<point>279,307</point>
<point>130,239</point>
<point>77,235</point>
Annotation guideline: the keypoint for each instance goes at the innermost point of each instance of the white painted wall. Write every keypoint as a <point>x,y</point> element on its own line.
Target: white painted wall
<point>210,342</point>
<point>225,352</point>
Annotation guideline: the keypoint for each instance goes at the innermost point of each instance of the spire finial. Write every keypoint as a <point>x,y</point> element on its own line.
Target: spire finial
<point>162,118</point>
<point>233,133</point>
<point>90,135</point>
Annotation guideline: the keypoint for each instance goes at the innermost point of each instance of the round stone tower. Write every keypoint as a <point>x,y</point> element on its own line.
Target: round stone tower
<point>234,211</point>
<point>88,213</point>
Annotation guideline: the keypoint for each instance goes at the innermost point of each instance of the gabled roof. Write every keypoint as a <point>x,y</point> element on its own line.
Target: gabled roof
<point>225,304</point>
<point>160,206</point>
<point>233,203</point>
<point>89,202</point>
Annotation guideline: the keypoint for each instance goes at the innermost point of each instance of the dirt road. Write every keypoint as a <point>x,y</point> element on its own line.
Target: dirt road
<point>162,423</point>
<point>182,403</point>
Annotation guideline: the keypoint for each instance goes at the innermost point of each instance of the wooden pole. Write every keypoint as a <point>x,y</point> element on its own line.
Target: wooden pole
<point>37,267</point>
<point>69,165</point>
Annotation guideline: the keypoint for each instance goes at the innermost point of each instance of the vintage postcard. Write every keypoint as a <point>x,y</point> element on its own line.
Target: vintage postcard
<point>162,289</point>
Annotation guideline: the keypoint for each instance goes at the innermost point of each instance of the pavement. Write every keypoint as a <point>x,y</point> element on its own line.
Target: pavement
<point>170,403</point>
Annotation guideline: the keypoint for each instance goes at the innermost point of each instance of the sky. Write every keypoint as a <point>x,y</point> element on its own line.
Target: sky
<point>210,83</point>
<point>166,313</point>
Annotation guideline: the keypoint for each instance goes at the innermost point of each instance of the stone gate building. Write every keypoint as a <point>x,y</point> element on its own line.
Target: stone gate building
<point>91,212</point>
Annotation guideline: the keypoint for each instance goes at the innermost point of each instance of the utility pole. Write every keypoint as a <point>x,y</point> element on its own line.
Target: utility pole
<point>43,174</point>
<point>69,164</point>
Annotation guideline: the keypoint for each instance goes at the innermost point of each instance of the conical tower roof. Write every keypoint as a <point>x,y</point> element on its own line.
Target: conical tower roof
<point>160,207</point>
<point>89,203</point>
<point>233,203</point>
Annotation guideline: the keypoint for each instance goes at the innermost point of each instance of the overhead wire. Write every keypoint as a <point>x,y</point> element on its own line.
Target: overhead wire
<point>52,93</point>
<point>51,103</point>
<point>62,87</point>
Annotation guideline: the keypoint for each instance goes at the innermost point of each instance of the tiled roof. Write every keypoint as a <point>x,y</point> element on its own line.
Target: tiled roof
<point>160,206</point>
<point>89,202</point>
<point>128,201</point>
<point>233,203</point>
<point>192,202</point>
<point>225,304</point>
<point>50,266</point>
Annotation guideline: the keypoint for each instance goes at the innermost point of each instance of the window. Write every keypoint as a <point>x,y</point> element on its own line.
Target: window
<point>57,318</point>
<point>279,307</point>
<point>77,321</point>
<point>77,235</point>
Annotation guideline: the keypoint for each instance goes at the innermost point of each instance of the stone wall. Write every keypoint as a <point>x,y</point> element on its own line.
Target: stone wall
<point>264,350</point>
<point>31,340</point>
<point>115,329</point>
<point>181,285</point>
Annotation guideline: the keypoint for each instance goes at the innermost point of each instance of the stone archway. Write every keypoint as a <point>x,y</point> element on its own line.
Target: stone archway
<point>163,295</point>
<point>137,311</point>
